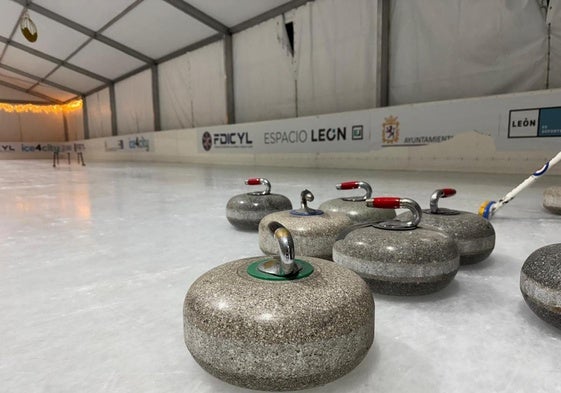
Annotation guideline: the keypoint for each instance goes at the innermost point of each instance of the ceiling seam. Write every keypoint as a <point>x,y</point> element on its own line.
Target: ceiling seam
<point>199,15</point>
<point>37,78</point>
<point>86,31</point>
<point>53,59</point>
<point>18,88</point>
<point>90,39</point>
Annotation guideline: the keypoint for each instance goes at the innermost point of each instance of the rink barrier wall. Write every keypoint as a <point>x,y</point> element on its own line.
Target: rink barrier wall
<point>515,133</point>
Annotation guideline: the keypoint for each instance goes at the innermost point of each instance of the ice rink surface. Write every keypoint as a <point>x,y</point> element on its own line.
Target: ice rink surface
<point>96,261</point>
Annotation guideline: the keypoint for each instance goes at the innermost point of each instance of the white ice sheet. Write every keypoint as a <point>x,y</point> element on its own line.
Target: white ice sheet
<point>96,261</point>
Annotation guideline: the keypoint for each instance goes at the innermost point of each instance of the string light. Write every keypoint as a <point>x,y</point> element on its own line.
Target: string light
<point>48,109</point>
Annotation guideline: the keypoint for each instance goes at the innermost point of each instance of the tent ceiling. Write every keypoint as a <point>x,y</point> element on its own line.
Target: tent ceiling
<point>83,45</point>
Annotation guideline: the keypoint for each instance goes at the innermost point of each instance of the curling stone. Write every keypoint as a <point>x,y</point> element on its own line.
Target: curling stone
<point>244,211</point>
<point>540,283</point>
<point>398,257</point>
<point>474,234</point>
<point>354,207</point>
<point>271,323</point>
<point>552,199</point>
<point>314,230</point>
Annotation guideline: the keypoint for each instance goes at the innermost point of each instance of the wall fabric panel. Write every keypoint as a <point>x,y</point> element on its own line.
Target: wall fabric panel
<point>133,96</point>
<point>465,48</point>
<point>75,123</point>
<point>336,60</point>
<point>10,127</point>
<point>42,127</point>
<point>31,127</point>
<point>99,114</point>
<point>193,89</point>
<point>264,80</point>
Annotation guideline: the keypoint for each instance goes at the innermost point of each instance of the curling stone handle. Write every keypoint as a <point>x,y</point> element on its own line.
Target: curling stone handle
<point>305,197</point>
<point>384,202</point>
<point>255,181</point>
<point>351,185</point>
<point>399,203</point>
<point>440,193</point>
<point>285,265</point>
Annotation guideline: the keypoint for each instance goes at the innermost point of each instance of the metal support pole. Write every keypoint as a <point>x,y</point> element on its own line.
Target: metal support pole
<point>229,68</point>
<point>156,98</point>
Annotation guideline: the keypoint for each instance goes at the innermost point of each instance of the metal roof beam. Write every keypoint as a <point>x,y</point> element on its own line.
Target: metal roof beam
<point>52,59</point>
<point>38,79</point>
<point>189,48</point>
<point>33,93</point>
<point>199,15</point>
<point>84,30</point>
<point>281,9</point>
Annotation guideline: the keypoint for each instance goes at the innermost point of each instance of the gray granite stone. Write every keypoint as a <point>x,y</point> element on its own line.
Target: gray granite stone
<point>278,335</point>
<point>393,262</point>
<point>474,235</point>
<point>313,235</point>
<point>357,211</point>
<point>540,283</point>
<point>552,199</point>
<point>244,211</point>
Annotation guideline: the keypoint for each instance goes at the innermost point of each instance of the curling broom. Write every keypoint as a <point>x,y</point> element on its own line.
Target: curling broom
<point>488,208</point>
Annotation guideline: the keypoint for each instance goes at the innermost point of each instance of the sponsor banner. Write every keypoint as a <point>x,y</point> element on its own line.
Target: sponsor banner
<point>534,123</point>
<point>129,144</point>
<point>343,132</point>
<point>529,121</point>
<point>40,147</point>
<point>514,121</point>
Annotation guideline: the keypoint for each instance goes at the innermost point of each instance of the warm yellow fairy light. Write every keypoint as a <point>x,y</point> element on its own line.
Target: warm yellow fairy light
<point>21,108</point>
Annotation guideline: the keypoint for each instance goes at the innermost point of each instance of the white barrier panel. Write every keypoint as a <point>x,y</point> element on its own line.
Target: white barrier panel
<point>341,132</point>
<point>533,116</point>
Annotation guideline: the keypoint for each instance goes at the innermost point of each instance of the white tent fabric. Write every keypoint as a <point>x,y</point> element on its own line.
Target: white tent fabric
<point>193,89</point>
<point>99,114</point>
<point>31,127</point>
<point>42,127</point>
<point>465,48</point>
<point>133,98</point>
<point>264,82</point>
<point>554,20</point>
<point>335,56</point>
<point>11,127</point>
<point>75,125</point>
<point>333,68</point>
<point>443,49</point>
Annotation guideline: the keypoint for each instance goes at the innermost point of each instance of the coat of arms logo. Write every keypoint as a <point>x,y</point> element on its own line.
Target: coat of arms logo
<point>390,133</point>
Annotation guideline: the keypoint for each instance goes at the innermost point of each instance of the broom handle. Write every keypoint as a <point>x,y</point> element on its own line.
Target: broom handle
<point>508,197</point>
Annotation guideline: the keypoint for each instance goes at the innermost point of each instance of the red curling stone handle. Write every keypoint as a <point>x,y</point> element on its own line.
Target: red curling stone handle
<point>384,202</point>
<point>447,192</point>
<point>254,181</point>
<point>349,185</point>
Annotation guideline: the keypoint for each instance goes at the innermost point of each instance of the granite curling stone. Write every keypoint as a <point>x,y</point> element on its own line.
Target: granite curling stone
<point>552,199</point>
<point>474,235</point>
<point>397,257</point>
<point>271,323</point>
<point>355,207</point>
<point>540,283</point>
<point>244,211</point>
<point>314,230</point>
